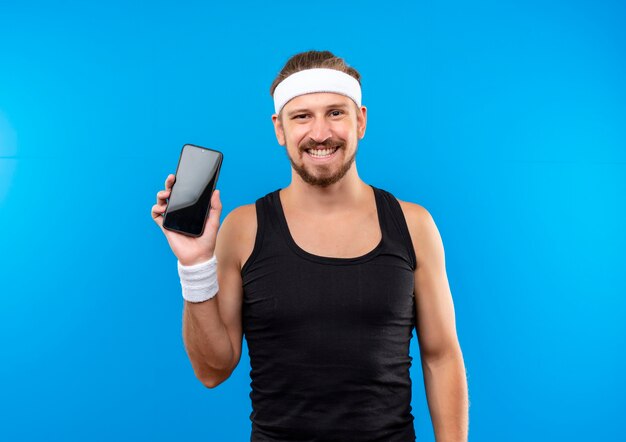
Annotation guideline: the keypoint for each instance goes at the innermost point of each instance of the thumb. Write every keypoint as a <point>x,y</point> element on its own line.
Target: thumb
<point>216,210</point>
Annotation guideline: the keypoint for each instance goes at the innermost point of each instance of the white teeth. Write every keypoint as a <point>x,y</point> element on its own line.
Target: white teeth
<point>321,152</point>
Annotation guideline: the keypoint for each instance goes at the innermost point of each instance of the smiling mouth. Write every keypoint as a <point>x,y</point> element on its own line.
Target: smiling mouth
<point>322,153</point>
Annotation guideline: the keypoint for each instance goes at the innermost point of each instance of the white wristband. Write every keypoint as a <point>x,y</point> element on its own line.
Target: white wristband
<point>199,281</point>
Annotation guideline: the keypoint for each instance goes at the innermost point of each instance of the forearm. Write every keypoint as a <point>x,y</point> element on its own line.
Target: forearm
<point>207,342</point>
<point>447,394</point>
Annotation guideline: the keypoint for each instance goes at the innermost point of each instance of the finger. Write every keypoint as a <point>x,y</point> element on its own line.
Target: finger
<point>157,214</point>
<point>169,181</point>
<point>162,196</point>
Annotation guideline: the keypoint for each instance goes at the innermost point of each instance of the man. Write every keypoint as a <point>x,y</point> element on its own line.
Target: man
<point>327,279</point>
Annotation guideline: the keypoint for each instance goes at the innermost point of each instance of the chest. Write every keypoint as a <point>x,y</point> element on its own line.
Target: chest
<point>341,236</point>
<point>291,298</point>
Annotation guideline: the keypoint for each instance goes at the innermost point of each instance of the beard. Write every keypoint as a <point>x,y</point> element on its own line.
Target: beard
<point>326,178</point>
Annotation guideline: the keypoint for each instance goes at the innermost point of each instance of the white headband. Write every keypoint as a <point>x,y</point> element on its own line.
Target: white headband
<point>316,80</point>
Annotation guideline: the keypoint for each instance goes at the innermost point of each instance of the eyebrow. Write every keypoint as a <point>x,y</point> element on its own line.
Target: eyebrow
<point>330,106</point>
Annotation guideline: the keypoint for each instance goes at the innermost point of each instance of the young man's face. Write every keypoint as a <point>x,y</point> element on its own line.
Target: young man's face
<point>320,132</point>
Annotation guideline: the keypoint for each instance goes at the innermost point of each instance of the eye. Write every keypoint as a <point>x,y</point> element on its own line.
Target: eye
<point>299,116</point>
<point>336,113</point>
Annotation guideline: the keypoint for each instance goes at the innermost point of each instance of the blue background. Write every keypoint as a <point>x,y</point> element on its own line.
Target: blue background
<point>505,119</point>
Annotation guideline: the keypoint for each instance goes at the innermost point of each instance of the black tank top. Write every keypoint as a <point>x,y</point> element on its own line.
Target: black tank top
<point>328,338</point>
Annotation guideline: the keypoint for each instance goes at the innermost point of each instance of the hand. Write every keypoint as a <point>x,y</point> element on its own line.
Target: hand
<point>189,250</point>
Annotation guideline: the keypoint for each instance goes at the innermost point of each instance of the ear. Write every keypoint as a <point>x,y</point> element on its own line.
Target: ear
<point>278,129</point>
<point>361,121</point>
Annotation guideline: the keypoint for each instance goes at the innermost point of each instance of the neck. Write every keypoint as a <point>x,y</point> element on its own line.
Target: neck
<point>347,192</point>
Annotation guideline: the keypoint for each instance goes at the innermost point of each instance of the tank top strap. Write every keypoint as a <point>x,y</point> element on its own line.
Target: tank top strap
<point>394,226</point>
<point>265,213</point>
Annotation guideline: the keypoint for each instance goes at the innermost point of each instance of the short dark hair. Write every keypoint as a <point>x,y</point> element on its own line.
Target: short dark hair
<point>311,60</point>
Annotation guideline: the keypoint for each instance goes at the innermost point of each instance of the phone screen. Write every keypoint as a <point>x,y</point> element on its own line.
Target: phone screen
<point>190,199</point>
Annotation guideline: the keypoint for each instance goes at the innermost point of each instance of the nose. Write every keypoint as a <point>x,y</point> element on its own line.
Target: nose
<point>320,130</point>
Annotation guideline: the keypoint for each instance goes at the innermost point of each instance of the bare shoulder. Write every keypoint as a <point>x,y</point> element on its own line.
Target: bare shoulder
<point>423,230</point>
<point>237,234</point>
<point>241,218</point>
<point>417,217</point>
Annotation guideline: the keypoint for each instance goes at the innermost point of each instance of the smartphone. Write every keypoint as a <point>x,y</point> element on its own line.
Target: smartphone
<point>190,200</point>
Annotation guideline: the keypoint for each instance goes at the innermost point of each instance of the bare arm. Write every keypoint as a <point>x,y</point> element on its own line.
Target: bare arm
<point>442,360</point>
<point>212,330</point>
